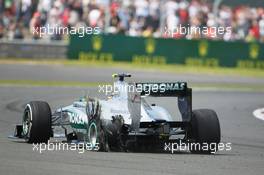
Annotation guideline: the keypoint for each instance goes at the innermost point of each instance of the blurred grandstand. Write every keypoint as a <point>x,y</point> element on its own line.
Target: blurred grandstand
<point>132,17</point>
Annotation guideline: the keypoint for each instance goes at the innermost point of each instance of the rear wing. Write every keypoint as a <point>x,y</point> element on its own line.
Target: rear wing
<point>169,89</point>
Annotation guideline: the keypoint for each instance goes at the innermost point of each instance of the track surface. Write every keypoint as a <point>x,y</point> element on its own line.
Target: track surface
<point>245,132</point>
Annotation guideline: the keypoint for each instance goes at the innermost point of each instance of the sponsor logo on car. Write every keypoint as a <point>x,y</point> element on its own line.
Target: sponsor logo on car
<point>160,87</point>
<point>76,119</point>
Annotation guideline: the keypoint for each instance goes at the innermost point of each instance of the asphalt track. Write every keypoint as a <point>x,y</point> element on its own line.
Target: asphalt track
<point>234,108</point>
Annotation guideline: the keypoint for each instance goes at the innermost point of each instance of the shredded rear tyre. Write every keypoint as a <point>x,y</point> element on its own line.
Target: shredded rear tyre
<point>96,133</point>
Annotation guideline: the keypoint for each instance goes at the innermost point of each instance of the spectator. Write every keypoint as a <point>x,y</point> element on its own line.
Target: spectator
<point>1,27</point>
<point>130,17</point>
<point>35,25</point>
<point>261,28</point>
<point>18,31</point>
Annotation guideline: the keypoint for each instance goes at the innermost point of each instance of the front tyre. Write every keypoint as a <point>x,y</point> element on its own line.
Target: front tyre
<point>36,122</point>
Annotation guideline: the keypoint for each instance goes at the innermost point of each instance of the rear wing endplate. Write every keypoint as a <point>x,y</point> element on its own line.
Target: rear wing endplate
<point>169,89</point>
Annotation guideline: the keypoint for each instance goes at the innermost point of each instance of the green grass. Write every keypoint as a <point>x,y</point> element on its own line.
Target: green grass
<point>50,83</point>
<point>177,69</point>
<point>257,73</point>
<point>195,86</point>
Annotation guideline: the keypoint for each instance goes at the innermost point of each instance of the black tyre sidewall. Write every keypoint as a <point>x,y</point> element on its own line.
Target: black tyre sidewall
<point>205,128</point>
<point>40,130</point>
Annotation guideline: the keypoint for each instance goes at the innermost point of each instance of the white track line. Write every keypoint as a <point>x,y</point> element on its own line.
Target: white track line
<point>259,113</point>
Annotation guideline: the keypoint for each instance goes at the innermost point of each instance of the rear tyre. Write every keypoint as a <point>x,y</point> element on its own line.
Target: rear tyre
<point>97,137</point>
<point>37,122</point>
<point>114,130</point>
<point>96,134</point>
<point>205,131</point>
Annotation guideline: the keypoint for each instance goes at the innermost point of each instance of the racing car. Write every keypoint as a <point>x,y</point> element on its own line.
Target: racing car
<point>124,121</point>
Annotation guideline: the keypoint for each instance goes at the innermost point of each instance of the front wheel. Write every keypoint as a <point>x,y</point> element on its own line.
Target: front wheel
<point>36,122</point>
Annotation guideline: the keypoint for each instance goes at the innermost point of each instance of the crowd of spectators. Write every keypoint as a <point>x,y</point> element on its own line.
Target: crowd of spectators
<point>130,17</point>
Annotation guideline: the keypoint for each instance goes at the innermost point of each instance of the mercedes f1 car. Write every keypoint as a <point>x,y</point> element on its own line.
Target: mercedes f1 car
<point>124,121</point>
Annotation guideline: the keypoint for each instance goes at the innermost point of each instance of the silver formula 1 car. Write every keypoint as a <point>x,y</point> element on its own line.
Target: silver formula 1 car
<point>124,121</point>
